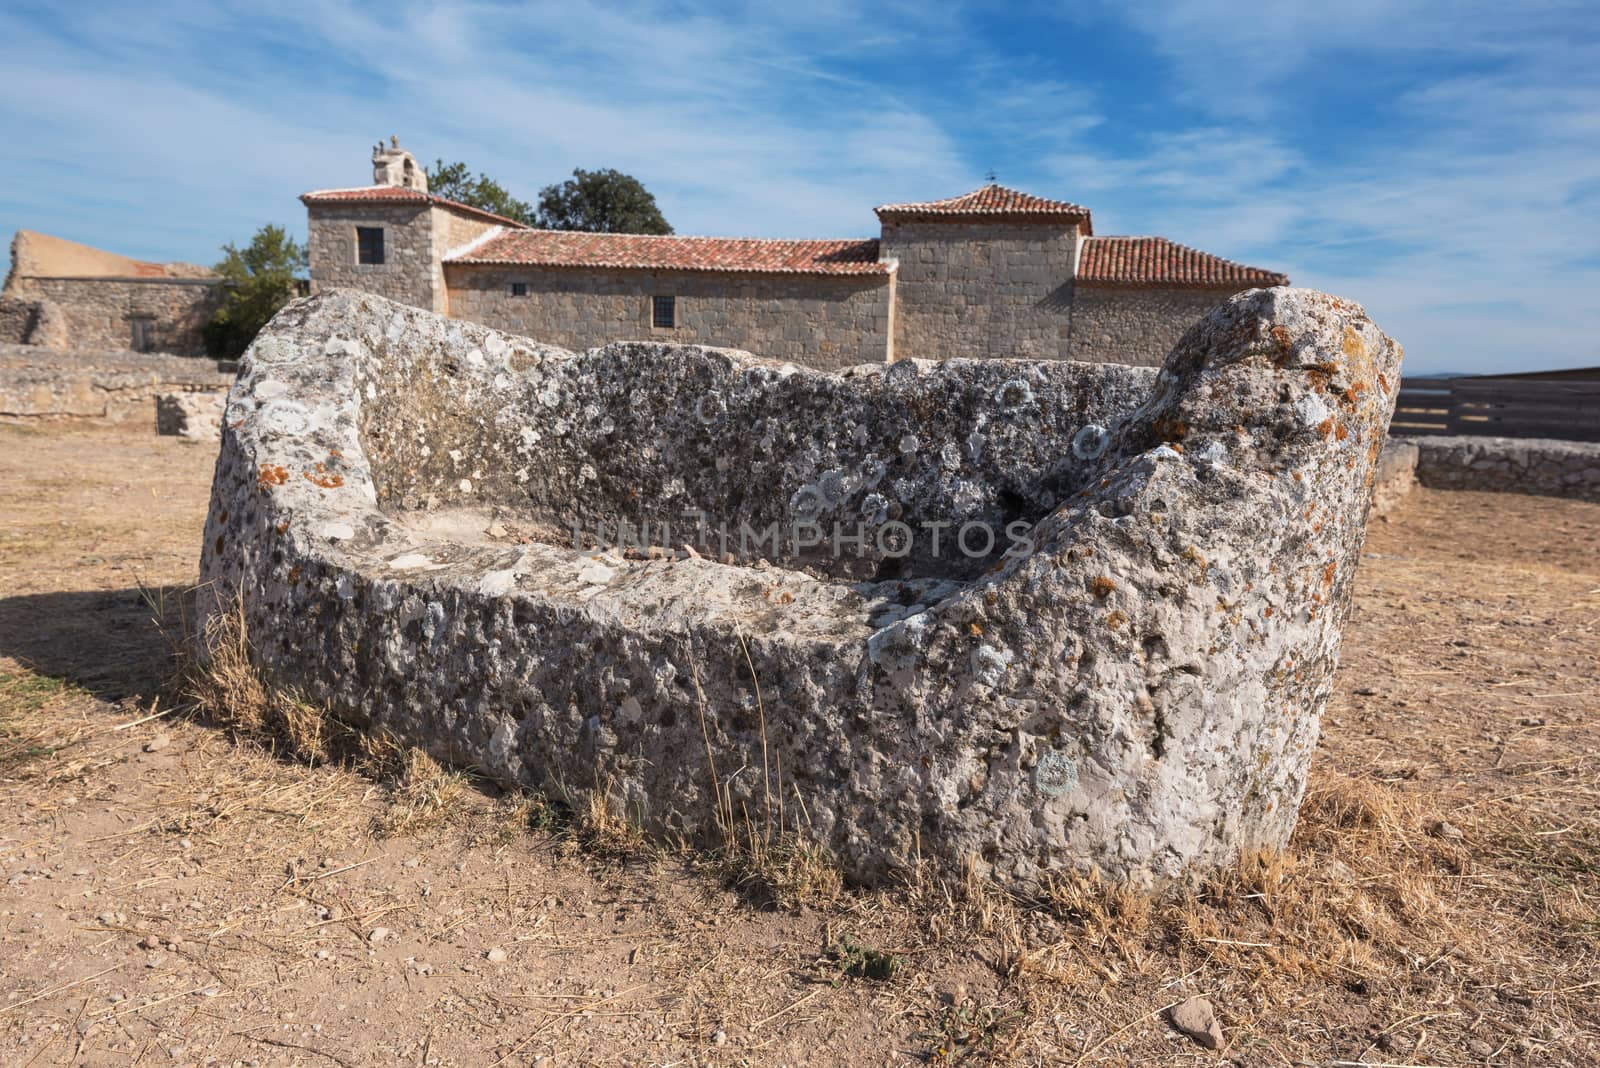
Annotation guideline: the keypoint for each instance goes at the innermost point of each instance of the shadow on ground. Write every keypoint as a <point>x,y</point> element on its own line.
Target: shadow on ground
<point>108,642</point>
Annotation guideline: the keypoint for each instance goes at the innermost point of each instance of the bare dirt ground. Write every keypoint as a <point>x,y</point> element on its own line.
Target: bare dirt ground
<point>172,894</point>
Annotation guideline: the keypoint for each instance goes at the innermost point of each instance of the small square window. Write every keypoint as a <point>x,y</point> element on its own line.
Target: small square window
<point>369,244</point>
<point>664,312</point>
<point>519,289</point>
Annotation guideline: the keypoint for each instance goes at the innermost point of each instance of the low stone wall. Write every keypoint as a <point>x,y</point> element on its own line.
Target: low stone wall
<point>1541,466</point>
<point>116,385</point>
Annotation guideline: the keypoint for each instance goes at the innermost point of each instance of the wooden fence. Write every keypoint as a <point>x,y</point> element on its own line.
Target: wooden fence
<point>1507,408</point>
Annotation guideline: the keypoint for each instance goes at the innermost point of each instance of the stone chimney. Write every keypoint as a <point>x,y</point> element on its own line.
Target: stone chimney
<point>393,165</point>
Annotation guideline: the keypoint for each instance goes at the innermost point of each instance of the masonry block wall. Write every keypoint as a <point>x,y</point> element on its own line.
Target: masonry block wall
<point>818,321</point>
<point>99,313</point>
<point>17,319</point>
<point>1123,324</point>
<point>451,230</point>
<point>409,272</point>
<point>981,289</point>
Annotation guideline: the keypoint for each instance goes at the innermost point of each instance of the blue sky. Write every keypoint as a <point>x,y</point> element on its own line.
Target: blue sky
<point>1437,161</point>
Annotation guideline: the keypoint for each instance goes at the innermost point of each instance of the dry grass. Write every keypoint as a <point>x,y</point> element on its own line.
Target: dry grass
<point>224,685</point>
<point>1380,909</point>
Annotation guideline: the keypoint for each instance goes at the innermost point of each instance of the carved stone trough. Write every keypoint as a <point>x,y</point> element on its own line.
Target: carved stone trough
<point>1036,614</point>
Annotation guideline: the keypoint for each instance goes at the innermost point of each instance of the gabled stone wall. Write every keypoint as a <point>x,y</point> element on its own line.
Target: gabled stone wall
<point>410,271</point>
<point>987,289</point>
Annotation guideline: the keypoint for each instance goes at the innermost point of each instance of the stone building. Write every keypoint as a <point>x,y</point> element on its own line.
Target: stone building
<point>63,295</point>
<point>993,273</point>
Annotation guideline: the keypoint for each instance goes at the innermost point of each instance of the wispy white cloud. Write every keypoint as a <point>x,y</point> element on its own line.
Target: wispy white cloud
<point>1436,162</point>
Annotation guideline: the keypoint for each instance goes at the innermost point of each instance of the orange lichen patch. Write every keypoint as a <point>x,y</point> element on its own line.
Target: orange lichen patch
<point>1282,338</point>
<point>1102,586</point>
<point>1353,346</point>
<point>1383,383</point>
<point>1328,573</point>
<point>1169,429</point>
<point>1116,619</point>
<point>321,476</point>
<point>774,595</point>
<point>975,630</point>
<point>272,475</point>
<point>1319,380</point>
<point>1267,611</point>
<point>1341,431</point>
<point>294,575</point>
<point>1325,427</point>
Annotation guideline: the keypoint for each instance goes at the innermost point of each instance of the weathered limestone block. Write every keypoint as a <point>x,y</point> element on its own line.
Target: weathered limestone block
<point>192,416</point>
<point>1396,477</point>
<point>1136,684</point>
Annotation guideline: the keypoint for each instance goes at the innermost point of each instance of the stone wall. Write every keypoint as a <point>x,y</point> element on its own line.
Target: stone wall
<point>981,289</point>
<point>1117,324</point>
<point>37,383</point>
<point>819,321</point>
<point>17,318</point>
<point>98,313</point>
<point>1510,465</point>
<point>409,270</point>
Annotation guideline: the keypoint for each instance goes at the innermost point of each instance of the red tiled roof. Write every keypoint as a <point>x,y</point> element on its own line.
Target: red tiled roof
<point>378,194</point>
<point>989,202</point>
<point>1157,261</point>
<point>572,248</point>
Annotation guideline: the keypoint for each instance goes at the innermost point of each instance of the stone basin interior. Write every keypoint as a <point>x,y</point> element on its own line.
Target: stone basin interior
<point>846,491</point>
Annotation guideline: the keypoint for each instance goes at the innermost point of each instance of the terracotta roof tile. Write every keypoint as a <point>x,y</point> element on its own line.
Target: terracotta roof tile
<point>378,194</point>
<point>1157,261</point>
<point>571,248</point>
<point>988,202</point>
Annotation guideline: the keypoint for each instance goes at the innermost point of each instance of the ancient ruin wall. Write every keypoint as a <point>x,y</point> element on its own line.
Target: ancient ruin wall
<point>822,322</point>
<point>98,313</point>
<point>1138,689</point>
<point>17,320</point>
<point>987,289</point>
<point>1135,325</point>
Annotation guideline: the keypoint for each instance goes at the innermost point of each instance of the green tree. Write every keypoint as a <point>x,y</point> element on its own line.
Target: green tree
<point>607,202</point>
<point>257,280</point>
<point>454,181</point>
